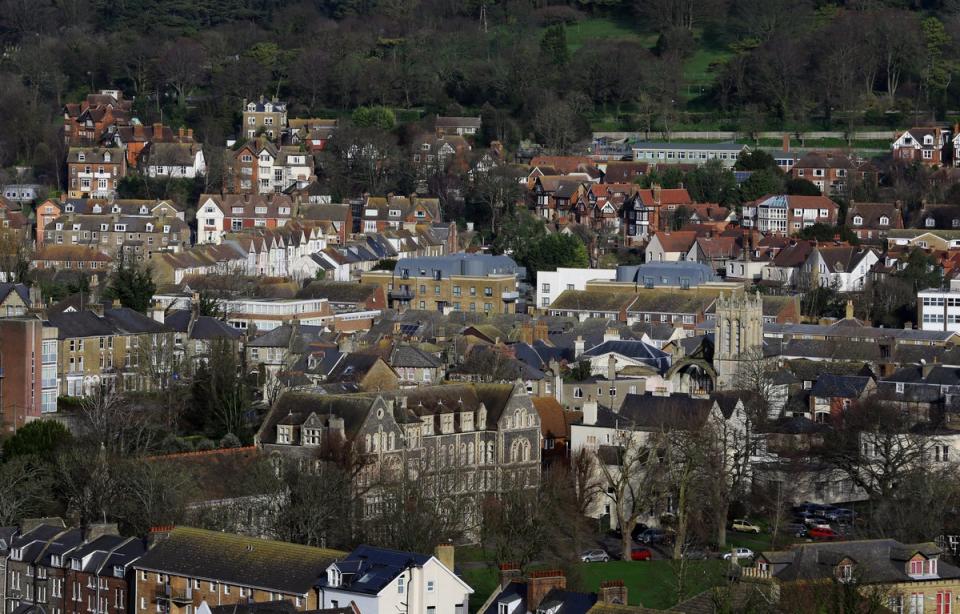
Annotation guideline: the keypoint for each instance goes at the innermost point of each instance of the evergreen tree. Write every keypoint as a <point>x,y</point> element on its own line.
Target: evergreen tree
<point>132,285</point>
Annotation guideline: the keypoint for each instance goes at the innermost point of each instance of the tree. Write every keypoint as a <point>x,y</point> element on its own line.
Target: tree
<point>712,183</point>
<point>633,481</point>
<point>182,64</point>
<point>761,183</point>
<point>221,396</point>
<point>132,285</point>
<point>755,376</point>
<point>153,494</point>
<point>825,232</point>
<point>922,270</point>
<point>497,192</point>
<point>756,160</point>
<point>553,45</point>
<point>109,421</point>
<point>42,438</point>
<point>376,117</point>
<point>556,250</point>
<point>558,125</point>
<point>24,489</point>
<point>801,187</point>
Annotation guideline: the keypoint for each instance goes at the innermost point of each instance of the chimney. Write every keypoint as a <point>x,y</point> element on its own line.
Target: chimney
<point>29,524</point>
<point>541,332</point>
<point>611,368</point>
<point>590,412</point>
<point>138,131</point>
<point>158,132</point>
<point>36,300</point>
<point>526,333</point>
<point>578,346</point>
<point>542,582</point>
<point>180,132</point>
<point>116,303</point>
<point>190,133</point>
<point>786,142</point>
<point>849,311</point>
<point>415,589</point>
<point>611,334</point>
<point>157,312</point>
<point>612,592</point>
<point>509,572</point>
<point>655,189</point>
<point>99,529</point>
<point>445,554</point>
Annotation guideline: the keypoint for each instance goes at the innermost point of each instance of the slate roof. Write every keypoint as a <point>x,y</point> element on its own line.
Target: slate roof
<point>585,300</point>
<point>875,560</point>
<point>282,606</point>
<point>205,327</point>
<point>871,214</point>
<point>368,569</point>
<point>21,289</point>
<point>633,349</point>
<point>458,264</point>
<point>80,324</point>
<point>650,412</point>
<point>338,291</point>
<point>842,259</point>
<point>410,356</point>
<point>238,560</point>
<point>128,321</point>
<point>353,367</point>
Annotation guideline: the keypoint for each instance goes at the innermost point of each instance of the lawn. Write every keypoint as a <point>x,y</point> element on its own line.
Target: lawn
<point>601,28</point>
<point>650,583</point>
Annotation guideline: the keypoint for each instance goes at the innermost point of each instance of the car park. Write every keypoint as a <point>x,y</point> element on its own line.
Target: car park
<point>739,553</point>
<point>797,529</point>
<point>744,526</point>
<point>595,556</point>
<point>641,553</point>
<point>840,514</point>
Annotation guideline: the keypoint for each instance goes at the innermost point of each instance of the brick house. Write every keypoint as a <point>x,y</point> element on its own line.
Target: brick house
<point>924,145</point>
<point>872,221</point>
<point>75,257</point>
<point>98,116</point>
<point>267,117</point>
<point>218,214</point>
<point>137,138</point>
<point>98,574</point>
<point>381,213</point>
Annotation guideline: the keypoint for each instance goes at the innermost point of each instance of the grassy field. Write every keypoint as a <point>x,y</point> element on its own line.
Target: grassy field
<point>603,29</point>
<point>651,583</point>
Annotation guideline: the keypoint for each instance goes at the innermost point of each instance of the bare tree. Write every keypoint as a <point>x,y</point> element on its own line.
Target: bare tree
<point>110,421</point>
<point>24,488</point>
<point>183,66</point>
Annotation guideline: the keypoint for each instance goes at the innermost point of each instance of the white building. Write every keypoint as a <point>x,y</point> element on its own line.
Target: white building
<point>843,268</point>
<point>939,308</point>
<point>377,581</point>
<point>688,153</point>
<point>551,283</point>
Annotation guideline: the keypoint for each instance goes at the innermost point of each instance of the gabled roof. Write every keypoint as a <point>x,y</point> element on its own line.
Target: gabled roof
<point>871,213</point>
<point>238,560</point>
<point>21,290</point>
<point>369,569</point>
<point>840,386</point>
<point>843,258</point>
<point>677,241</point>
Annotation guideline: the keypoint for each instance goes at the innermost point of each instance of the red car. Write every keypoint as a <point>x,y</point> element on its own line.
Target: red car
<point>640,553</point>
<point>822,534</point>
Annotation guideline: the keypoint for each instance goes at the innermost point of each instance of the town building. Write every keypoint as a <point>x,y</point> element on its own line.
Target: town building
<point>28,370</point>
<point>97,118</point>
<point>844,268</point>
<point>551,283</point>
<point>474,283</point>
<point>925,145</point>
<point>459,126</point>
<point>128,236</point>
<point>787,214</point>
<point>939,308</point>
<point>688,153</point>
<point>218,214</point>
<point>871,222</point>
<point>23,193</point>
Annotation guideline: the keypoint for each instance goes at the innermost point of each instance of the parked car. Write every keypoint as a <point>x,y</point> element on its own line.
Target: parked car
<point>655,536</point>
<point>641,553</point>
<point>816,521</point>
<point>797,529</point>
<point>739,553</point>
<point>595,556</point>
<point>744,526</point>
<point>820,533</point>
<point>637,531</point>
<point>840,514</point>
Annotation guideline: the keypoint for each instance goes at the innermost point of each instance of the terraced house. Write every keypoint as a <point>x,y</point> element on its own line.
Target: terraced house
<point>462,440</point>
<point>132,236</point>
<point>187,567</point>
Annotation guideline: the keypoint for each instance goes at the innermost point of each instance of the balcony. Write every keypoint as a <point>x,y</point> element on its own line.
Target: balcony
<point>510,297</point>
<point>179,597</point>
<point>401,294</point>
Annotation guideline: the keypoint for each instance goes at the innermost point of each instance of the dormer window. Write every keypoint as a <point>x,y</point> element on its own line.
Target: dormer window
<point>115,209</point>
<point>930,222</point>
<point>166,230</point>
<point>284,433</point>
<point>884,220</point>
<point>97,209</point>
<point>251,107</point>
<point>334,578</point>
<point>68,208</point>
<point>75,564</point>
<point>394,213</point>
<point>106,157</point>
<point>149,227</point>
<point>118,571</point>
<point>857,220</point>
<point>143,210</point>
<point>104,227</point>
<point>81,157</point>
<point>55,560</point>
<point>928,140</point>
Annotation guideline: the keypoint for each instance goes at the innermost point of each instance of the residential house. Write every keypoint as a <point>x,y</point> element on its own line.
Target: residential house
<point>44,212</point>
<point>913,577</point>
<point>624,171</point>
<point>554,195</point>
<point>75,257</point>
<point>94,172</point>
<point>584,304</point>
<point>380,213</point>
<point>266,117</point>
<point>378,580</point>
<point>186,567</point>
<point>926,145</point>
<point>17,299</point>
<point>670,246</point>
<point>833,173</point>
<point>23,193</point>
<point>108,350</point>
<point>787,214</point>
<point>647,211</point>
<point>345,297</point>
<point>339,217</point>
<point>546,591</point>
<point>98,575</point>
<point>312,133</point>
<point>872,221</point>
<point>715,252</point>
<point>842,267</point>
<point>261,167</point>
<point>432,153</point>
<point>289,346</point>
<point>367,372</point>
<point>832,395</point>
<point>218,214</point>
<point>478,283</point>
<point>414,366</point>
<point>127,236</point>
<point>35,566</point>
<point>99,116</point>
<point>194,335</point>
<point>784,270</point>
<point>460,126</point>
<point>933,240</point>
<point>137,138</point>
<point>550,284</point>
<point>936,217</point>
<point>174,160</point>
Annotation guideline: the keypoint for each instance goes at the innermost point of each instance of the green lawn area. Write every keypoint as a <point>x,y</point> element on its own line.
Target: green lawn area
<point>697,73</point>
<point>651,583</point>
<point>601,28</point>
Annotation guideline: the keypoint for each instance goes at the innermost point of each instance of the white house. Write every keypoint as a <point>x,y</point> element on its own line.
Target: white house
<point>175,160</point>
<point>378,580</point>
<point>551,283</point>
<point>841,267</point>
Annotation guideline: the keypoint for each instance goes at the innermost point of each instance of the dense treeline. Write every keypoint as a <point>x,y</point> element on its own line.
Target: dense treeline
<point>768,63</point>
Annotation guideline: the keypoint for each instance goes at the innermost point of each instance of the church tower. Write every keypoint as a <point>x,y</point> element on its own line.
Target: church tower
<point>739,334</point>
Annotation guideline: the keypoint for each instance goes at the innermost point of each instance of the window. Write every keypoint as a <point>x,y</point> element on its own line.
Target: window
<point>944,605</point>
<point>900,387</point>
<point>578,393</point>
<point>400,582</point>
<point>857,220</point>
